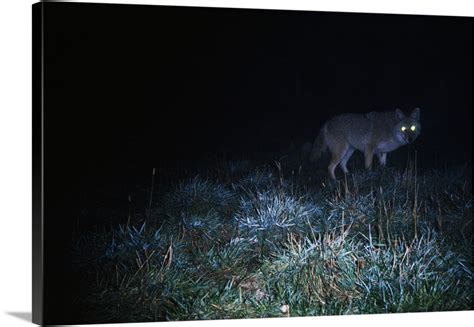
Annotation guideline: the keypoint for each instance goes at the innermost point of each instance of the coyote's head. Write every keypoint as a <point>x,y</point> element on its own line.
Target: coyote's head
<point>408,128</point>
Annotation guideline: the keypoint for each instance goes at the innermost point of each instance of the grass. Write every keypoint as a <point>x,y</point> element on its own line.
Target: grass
<point>247,241</point>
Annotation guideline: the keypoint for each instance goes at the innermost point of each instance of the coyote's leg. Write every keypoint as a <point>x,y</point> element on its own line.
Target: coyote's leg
<point>336,156</point>
<point>368,155</point>
<point>346,158</point>
<point>382,158</point>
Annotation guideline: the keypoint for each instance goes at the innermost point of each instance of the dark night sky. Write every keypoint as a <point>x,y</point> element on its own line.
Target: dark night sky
<point>137,84</point>
<point>127,88</point>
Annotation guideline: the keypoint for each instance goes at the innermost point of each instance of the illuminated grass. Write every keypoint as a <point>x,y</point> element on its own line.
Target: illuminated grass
<point>268,245</point>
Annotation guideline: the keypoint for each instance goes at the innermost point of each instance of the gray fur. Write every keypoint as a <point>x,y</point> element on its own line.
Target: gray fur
<point>372,133</point>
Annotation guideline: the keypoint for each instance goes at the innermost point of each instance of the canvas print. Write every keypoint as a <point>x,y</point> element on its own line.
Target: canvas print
<point>207,163</point>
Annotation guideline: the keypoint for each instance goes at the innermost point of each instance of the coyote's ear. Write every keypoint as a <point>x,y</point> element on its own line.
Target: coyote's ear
<point>400,115</point>
<point>415,114</point>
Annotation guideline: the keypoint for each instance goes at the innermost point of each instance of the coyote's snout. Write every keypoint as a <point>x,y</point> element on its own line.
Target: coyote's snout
<point>372,133</point>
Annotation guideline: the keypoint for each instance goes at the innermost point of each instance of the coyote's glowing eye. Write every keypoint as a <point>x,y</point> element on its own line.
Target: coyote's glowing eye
<point>403,128</point>
<point>413,128</point>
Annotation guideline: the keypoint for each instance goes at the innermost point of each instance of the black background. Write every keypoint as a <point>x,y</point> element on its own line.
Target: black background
<point>128,88</point>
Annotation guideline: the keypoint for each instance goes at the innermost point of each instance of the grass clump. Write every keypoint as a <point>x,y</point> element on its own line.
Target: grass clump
<point>268,217</point>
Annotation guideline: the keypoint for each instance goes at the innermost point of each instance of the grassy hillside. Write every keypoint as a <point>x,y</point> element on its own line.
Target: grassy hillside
<point>246,240</point>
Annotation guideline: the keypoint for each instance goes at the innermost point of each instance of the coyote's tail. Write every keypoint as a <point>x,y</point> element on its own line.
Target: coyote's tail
<point>319,146</point>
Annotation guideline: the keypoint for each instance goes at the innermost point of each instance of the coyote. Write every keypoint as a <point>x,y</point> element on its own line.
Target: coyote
<point>374,132</point>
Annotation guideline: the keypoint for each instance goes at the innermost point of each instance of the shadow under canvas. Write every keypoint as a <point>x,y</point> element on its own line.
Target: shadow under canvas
<point>23,315</point>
